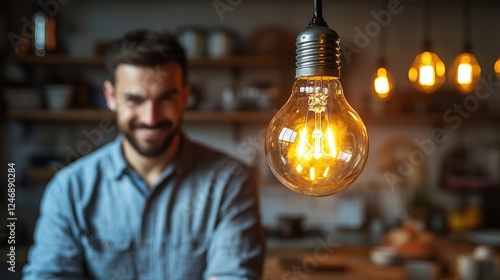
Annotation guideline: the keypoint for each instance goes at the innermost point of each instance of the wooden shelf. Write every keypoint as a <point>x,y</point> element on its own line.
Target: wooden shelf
<point>59,60</point>
<point>231,117</point>
<point>59,115</point>
<point>428,119</point>
<point>97,115</point>
<point>99,61</point>
<point>76,115</point>
<point>236,61</point>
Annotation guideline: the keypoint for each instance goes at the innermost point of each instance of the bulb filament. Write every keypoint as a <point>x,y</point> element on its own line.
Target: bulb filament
<point>427,75</point>
<point>464,75</point>
<point>313,145</point>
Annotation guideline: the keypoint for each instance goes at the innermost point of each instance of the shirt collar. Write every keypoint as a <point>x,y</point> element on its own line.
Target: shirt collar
<point>119,164</point>
<point>184,159</point>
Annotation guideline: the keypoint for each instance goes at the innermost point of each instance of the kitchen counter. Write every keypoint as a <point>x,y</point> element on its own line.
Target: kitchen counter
<point>355,270</point>
<point>312,240</point>
<point>351,262</point>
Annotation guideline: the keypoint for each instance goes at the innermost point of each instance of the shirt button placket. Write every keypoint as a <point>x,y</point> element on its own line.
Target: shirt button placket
<point>146,242</point>
<point>144,263</point>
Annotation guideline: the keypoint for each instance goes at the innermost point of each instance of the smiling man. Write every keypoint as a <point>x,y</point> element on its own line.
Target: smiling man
<point>152,204</point>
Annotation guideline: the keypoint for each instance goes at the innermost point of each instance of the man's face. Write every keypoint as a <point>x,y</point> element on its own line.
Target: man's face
<point>149,103</point>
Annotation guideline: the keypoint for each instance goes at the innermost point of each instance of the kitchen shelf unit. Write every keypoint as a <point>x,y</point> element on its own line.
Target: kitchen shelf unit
<point>99,61</point>
<point>233,63</point>
<point>80,115</point>
<point>231,66</point>
<point>436,119</point>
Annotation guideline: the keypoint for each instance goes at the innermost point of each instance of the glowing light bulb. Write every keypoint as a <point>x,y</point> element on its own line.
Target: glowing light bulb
<point>465,72</point>
<point>317,144</point>
<point>383,83</point>
<point>497,68</point>
<point>427,72</point>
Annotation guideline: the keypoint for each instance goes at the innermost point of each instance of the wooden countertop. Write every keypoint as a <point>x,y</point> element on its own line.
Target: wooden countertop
<point>344,263</point>
<point>342,268</point>
<point>353,263</point>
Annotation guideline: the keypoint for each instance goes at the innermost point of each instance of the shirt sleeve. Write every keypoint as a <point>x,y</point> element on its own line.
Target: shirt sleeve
<point>237,248</point>
<point>55,253</point>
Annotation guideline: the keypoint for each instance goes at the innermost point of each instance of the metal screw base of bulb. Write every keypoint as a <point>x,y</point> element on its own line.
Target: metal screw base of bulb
<point>318,52</point>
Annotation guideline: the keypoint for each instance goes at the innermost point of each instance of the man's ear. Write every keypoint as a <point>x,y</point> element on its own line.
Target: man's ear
<point>110,95</point>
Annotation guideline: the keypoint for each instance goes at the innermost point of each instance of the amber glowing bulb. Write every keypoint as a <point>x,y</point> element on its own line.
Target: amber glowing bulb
<point>427,72</point>
<point>465,72</point>
<point>497,68</point>
<point>383,83</point>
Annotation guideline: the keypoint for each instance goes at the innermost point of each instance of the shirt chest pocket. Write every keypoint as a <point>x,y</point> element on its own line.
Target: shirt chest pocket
<point>189,257</point>
<point>110,256</point>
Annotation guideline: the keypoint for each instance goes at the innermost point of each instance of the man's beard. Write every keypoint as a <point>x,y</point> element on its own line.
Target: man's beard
<point>154,151</point>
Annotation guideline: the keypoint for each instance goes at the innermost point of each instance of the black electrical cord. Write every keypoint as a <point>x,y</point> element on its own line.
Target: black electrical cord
<point>467,26</point>
<point>383,41</point>
<point>318,9</point>
<point>318,19</point>
<point>427,25</point>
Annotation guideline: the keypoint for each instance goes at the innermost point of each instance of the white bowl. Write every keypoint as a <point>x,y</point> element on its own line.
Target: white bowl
<point>59,96</point>
<point>383,255</point>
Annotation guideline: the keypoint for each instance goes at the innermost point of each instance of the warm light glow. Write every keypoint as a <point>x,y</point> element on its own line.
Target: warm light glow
<point>427,72</point>
<point>331,146</point>
<point>326,171</point>
<point>331,142</point>
<point>318,137</point>
<point>465,73</point>
<point>497,68</point>
<point>299,168</point>
<point>302,143</point>
<point>383,83</point>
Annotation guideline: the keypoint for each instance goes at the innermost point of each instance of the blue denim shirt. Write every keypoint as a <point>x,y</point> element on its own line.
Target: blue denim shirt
<point>201,219</point>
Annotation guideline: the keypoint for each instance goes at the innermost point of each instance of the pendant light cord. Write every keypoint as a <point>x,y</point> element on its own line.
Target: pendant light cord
<point>427,25</point>
<point>318,19</point>
<point>383,40</point>
<point>467,26</point>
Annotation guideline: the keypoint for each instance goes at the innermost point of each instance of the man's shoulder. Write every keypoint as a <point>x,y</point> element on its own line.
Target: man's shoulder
<point>101,158</point>
<point>215,159</point>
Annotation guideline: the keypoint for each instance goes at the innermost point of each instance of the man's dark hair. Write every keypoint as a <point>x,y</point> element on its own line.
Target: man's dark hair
<point>146,48</point>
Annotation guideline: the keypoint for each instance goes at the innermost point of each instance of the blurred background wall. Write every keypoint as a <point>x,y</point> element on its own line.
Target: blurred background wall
<point>391,182</point>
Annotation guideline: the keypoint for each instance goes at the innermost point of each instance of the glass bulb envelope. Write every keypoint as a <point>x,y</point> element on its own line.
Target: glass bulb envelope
<point>316,144</point>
